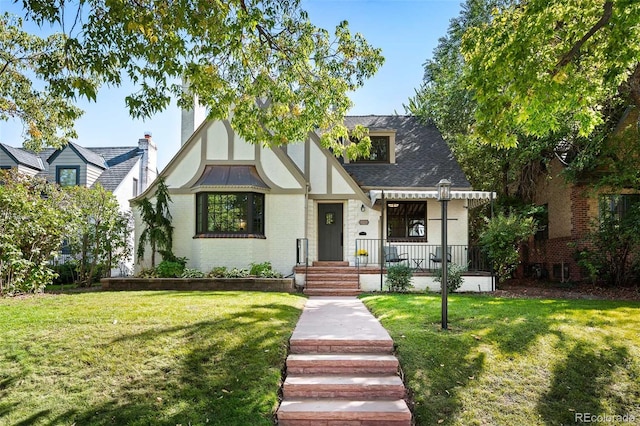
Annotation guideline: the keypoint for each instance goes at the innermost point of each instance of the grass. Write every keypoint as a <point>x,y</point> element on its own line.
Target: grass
<point>515,361</point>
<point>144,358</point>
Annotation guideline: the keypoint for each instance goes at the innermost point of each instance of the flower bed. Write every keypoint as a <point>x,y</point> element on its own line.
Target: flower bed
<point>199,284</point>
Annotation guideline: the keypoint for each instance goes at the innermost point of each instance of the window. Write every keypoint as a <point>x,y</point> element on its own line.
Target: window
<point>135,187</point>
<point>618,205</point>
<point>542,217</point>
<point>68,176</point>
<point>379,152</point>
<point>220,213</point>
<point>407,220</point>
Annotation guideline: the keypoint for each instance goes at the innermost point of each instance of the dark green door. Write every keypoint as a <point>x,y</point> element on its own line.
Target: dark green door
<point>330,232</point>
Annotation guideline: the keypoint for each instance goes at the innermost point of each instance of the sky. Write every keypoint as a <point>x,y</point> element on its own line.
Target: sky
<point>407,31</point>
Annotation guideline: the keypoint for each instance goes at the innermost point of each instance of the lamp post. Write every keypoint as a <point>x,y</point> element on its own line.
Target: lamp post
<point>444,195</point>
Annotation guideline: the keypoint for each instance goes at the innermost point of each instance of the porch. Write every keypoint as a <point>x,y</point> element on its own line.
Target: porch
<point>420,257</point>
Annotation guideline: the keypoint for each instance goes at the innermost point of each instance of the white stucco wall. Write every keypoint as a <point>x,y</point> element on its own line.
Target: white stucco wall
<point>470,283</point>
<point>282,228</point>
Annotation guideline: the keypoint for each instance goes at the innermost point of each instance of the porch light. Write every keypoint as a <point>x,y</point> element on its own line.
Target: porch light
<point>362,208</point>
<point>444,190</point>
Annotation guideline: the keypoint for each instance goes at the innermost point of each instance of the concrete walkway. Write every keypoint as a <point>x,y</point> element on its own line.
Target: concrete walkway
<point>341,368</point>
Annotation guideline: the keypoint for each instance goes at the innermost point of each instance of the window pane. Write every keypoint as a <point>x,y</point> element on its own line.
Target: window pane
<point>68,177</point>
<point>405,220</point>
<point>230,213</point>
<point>379,151</point>
<point>379,148</point>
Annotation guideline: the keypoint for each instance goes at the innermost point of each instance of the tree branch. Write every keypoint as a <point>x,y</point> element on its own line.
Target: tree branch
<point>575,49</point>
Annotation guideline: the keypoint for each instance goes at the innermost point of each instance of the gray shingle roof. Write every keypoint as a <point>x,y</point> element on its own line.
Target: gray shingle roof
<point>23,157</point>
<point>117,162</point>
<point>86,154</point>
<point>422,156</point>
<point>120,161</point>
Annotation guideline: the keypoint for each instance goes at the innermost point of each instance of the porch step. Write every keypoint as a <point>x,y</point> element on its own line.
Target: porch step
<point>369,387</point>
<point>324,412</point>
<point>342,363</point>
<point>332,279</point>
<point>331,292</point>
<point>331,264</point>
<point>344,346</point>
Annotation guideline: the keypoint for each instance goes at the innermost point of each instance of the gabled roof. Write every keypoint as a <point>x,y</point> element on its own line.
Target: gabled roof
<point>116,162</point>
<point>23,157</point>
<point>85,154</point>
<point>422,156</point>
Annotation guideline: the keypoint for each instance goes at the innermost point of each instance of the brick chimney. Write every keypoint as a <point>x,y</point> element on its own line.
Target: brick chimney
<point>149,162</point>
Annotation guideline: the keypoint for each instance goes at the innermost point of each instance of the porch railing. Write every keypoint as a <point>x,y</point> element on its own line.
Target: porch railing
<point>420,256</point>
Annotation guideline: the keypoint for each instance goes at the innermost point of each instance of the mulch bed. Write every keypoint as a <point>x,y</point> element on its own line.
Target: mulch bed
<point>552,290</point>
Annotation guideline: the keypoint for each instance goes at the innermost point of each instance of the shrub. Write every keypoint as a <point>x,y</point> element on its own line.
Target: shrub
<point>502,238</point>
<point>169,269</point>
<point>237,273</point>
<point>192,273</point>
<point>399,278</point>
<point>610,252</point>
<point>264,270</point>
<point>148,273</point>
<point>218,272</point>
<point>454,277</point>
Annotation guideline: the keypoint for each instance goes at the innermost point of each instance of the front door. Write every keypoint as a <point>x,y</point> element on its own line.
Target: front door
<point>330,232</point>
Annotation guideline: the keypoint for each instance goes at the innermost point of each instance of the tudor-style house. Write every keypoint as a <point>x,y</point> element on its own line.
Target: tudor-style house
<point>237,203</point>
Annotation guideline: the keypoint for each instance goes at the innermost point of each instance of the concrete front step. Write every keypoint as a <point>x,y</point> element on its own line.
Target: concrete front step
<point>332,284</point>
<point>342,364</point>
<point>369,387</point>
<point>331,292</point>
<point>332,277</point>
<point>350,346</point>
<point>327,412</point>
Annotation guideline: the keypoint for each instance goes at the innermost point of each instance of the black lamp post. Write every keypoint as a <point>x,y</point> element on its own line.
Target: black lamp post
<point>444,195</point>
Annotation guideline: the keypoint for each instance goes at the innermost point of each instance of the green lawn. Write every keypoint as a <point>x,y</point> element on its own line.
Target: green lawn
<point>516,361</point>
<point>144,358</point>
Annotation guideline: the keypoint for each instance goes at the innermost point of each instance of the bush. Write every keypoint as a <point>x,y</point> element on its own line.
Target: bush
<point>454,277</point>
<point>237,273</point>
<point>264,270</point>
<point>218,272</point>
<point>148,273</point>
<point>399,278</point>
<point>610,250</point>
<point>192,273</point>
<point>501,240</point>
<point>169,269</point>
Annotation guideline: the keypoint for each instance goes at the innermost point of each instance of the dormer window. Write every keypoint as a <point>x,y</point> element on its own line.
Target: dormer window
<point>68,175</point>
<point>382,148</point>
<point>379,150</point>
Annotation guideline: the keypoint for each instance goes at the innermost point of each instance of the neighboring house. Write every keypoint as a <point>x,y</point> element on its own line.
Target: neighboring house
<point>571,211</point>
<point>236,203</point>
<point>573,208</point>
<point>124,171</point>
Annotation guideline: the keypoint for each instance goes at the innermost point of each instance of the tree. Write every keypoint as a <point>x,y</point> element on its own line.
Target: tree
<point>541,67</point>
<point>158,231</point>
<point>99,236</point>
<point>260,62</point>
<point>446,99</point>
<point>31,231</point>
<point>47,114</point>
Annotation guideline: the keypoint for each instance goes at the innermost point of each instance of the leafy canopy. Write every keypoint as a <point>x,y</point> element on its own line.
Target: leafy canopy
<point>262,62</point>
<point>540,67</point>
